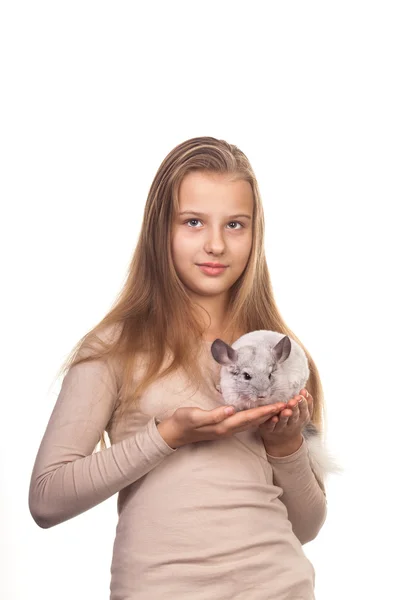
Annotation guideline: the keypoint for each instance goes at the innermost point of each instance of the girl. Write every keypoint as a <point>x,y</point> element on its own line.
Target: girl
<point>211,504</point>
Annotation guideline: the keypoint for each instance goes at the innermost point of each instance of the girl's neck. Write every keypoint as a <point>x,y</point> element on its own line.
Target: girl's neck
<point>228,337</point>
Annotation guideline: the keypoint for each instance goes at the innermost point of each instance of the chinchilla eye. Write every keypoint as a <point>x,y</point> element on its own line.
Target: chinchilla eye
<point>269,376</point>
<point>246,375</point>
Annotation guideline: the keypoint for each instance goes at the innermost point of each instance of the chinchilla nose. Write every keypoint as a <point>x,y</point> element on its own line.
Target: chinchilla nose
<point>261,396</point>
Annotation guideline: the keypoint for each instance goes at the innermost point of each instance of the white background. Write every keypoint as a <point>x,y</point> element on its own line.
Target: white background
<point>93,97</point>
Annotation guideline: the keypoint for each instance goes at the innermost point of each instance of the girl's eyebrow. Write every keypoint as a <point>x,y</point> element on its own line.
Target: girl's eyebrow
<point>200,214</point>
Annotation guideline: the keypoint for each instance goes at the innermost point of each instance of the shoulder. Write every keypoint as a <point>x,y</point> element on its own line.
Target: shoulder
<point>100,339</point>
<point>96,344</point>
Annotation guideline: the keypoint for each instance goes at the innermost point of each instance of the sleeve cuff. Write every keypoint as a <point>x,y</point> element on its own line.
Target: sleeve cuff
<point>157,438</point>
<point>295,456</point>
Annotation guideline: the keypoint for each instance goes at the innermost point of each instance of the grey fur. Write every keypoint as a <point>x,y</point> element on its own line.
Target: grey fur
<point>278,368</point>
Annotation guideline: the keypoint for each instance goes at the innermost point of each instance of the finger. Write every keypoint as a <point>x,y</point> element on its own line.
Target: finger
<point>310,400</point>
<point>310,406</point>
<point>296,413</point>
<point>282,423</point>
<point>287,412</point>
<point>263,420</point>
<point>201,418</point>
<point>304,392</point>
<point>292,415</point>
<point>305,414</point>
<point>293,401</point>
<point>310,403</point>
<point>269,425</point>
<point>245,418</point>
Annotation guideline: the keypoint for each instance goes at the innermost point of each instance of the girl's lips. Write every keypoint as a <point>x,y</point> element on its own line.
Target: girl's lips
<point>211,264</point>
<point>211,270</point>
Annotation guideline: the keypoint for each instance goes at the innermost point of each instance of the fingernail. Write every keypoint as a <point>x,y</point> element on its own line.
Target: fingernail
<point>229,410</point>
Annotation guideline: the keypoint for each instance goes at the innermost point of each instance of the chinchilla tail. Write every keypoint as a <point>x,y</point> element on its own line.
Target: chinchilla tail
<point>322,462</point>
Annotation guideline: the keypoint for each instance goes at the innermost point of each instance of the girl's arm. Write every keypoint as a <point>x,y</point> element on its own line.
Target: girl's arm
<point>67,478</point>
<point>303,496</point>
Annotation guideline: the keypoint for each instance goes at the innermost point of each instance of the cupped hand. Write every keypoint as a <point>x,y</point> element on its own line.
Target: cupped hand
<point>193,424</point>
<point>288,424</point>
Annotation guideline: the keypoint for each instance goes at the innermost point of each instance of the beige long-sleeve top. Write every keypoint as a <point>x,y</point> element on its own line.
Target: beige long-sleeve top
<point>216,519</point>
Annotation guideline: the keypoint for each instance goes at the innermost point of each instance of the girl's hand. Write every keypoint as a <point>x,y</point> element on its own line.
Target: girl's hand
<point>282,433</point>
<point>188,424</point>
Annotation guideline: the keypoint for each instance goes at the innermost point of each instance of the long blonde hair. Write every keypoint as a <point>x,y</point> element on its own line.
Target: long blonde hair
<point>154,300</point>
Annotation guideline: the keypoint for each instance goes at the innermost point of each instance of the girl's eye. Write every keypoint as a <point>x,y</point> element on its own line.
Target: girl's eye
<point>191,220</point>
<point>237,223</point>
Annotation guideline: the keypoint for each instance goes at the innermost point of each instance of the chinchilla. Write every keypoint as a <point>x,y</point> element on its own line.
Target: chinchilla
<point>264,367</point>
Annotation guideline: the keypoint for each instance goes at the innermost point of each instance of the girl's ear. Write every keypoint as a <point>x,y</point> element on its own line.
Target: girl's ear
<point>223,353</point>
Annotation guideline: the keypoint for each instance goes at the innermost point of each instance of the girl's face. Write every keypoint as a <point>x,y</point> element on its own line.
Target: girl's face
<point>221,233</point>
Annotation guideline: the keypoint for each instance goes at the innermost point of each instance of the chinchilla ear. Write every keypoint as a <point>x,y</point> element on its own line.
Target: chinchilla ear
<point>282,349</point>
<point>223,353</point>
